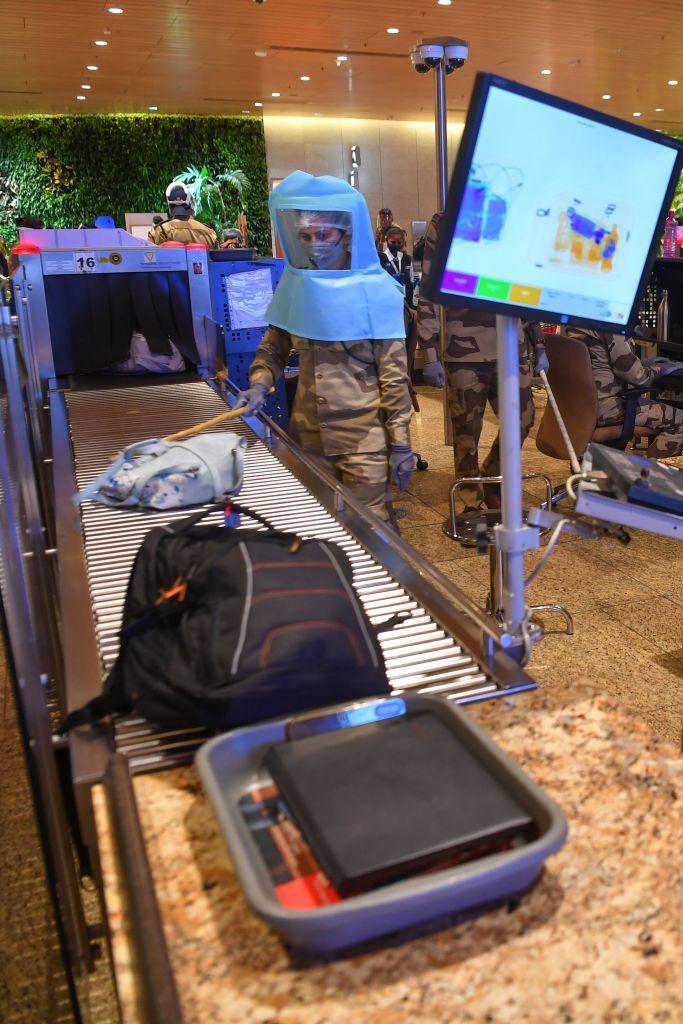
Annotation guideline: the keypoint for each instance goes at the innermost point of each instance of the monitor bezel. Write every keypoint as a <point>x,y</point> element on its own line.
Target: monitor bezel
<point>432,285</point>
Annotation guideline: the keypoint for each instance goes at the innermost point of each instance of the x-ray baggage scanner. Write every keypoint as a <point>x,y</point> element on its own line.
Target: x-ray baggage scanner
<point>565,241</point>
<point>81,293</point>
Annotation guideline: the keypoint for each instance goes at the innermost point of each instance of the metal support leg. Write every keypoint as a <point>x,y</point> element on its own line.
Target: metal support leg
<point>560,609</point>
<point>512,536</point>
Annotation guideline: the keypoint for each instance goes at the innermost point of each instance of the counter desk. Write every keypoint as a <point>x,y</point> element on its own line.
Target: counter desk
<point>599,939</point>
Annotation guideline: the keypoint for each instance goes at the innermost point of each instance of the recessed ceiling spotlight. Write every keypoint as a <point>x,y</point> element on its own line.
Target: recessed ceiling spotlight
<point>393,31</point>
<point>672,81</point>
<point>152,108</point>
<point>80,97</point>
<point>659,110</point>
<point>275,95</point>
<point>246,111</point>
<point>86,87</point>
<point>92,67</point>
<point>342,57</point>
<point>444,3</point>
<point>257,103</point>
<point>101,42</point>
<point>606,96</point>
<point>115,10</point>
<point>305,78</point>
<point>636,113</point>
<point>260,53</point>
<point>546,71</point>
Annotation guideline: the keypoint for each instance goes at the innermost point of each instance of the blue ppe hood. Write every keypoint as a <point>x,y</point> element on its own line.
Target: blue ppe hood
<point>360,302</point>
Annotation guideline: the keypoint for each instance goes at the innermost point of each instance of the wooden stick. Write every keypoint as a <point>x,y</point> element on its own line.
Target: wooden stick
<point>180,435</point>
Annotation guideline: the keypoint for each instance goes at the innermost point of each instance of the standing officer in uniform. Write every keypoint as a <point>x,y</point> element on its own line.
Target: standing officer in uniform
<point>471,361</point>
<point>343,315</point>
<point>181,226</point>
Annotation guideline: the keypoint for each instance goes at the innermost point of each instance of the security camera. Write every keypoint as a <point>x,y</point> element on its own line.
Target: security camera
<point>457,53</point>
<point>418,62</point>
<point>432,54</point>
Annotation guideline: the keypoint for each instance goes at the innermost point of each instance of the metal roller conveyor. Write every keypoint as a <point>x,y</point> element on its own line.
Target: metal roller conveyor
<point>420,654</point>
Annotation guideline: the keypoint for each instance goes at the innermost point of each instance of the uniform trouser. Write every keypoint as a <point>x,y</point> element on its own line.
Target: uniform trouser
<point>470,386</point>
<point>666,422</point>
<point>366,474</point>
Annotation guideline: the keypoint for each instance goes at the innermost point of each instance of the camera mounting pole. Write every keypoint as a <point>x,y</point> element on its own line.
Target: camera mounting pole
<point>442,56</point>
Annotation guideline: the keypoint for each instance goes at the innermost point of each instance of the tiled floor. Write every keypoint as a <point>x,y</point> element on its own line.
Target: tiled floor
<point>627,601</point>
<point>627,604</point>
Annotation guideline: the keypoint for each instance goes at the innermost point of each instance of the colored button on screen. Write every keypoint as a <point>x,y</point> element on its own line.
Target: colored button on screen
<point>490,288</point>
<point>522,293</point>
<point>454,281</point>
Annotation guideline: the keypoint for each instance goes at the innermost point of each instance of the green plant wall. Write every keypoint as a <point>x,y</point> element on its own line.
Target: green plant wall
<point>69,170</point>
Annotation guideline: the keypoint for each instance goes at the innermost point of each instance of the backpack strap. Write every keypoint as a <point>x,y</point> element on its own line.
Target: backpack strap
<point>196,517</point>
<point>112,702</point>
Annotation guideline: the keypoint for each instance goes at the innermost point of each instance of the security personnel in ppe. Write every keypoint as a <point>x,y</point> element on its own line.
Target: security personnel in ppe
<point>471,377</point>
<point>343,315</point>
<point>181,226</point>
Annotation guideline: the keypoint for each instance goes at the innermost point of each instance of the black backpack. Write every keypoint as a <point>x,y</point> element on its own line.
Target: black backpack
<point>225,627</point>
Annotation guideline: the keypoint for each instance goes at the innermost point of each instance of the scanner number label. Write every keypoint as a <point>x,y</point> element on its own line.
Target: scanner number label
<point>85,263</point>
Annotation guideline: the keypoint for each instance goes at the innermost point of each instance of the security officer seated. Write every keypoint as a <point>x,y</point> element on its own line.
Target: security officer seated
<point>615,366</point>
<point>181,225</point>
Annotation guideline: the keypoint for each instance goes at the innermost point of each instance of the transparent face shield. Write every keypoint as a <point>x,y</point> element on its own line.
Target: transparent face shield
<point>316,239</point>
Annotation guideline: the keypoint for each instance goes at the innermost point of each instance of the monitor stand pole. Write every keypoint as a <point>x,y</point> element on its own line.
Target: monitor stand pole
<point>513,537</point>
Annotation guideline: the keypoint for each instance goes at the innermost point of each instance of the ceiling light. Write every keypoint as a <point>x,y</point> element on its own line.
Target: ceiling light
<point>86,87</point>
<point>659,110</point>
<point>115,10</point>
<point>305,78</point>
<point>260,53</point>
<point>92,67</point>
<point>393,31</point>
<point>672,81</point>
<point>152,108</point>
<point>80,97</point>
<point>275,95</point>
<point>101,42</point>
<point>342,57</point>
<point>606,96</point>
<point>546,71</point>
<point>636,113</point>
<point>246,111</point>
<point>257,104</point>
<point>444,3</point>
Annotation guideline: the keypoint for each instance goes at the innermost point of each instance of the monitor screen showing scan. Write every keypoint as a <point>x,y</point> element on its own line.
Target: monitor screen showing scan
<point>554,210</point>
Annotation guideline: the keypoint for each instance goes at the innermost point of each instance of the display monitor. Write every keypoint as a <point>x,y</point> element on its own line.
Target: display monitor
<point>554,211</point>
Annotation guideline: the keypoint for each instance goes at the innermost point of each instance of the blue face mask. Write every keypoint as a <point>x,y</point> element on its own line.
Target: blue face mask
<point>325,255</point>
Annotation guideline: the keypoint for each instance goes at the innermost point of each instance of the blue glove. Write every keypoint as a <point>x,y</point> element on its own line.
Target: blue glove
<point>540,359</point>
<point>253,399</point>
<point>401,465</point>
<point>434,374</point>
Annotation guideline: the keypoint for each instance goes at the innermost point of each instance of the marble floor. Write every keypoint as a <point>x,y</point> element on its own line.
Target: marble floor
<point>626,600</point>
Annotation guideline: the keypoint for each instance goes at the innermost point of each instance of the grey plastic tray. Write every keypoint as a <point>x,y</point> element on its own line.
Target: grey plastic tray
<point>229,765</point>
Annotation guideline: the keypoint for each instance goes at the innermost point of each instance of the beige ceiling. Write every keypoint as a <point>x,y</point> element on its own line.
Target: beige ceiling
<point>198,55</point>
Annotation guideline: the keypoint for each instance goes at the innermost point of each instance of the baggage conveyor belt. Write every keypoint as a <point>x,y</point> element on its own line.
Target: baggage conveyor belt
<point>421,655</point>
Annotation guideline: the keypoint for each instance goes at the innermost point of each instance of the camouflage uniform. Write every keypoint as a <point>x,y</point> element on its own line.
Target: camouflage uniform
<point>471,377</point>
<point>352,401</point>
<point>616,365</point>
<point>180,229</point>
